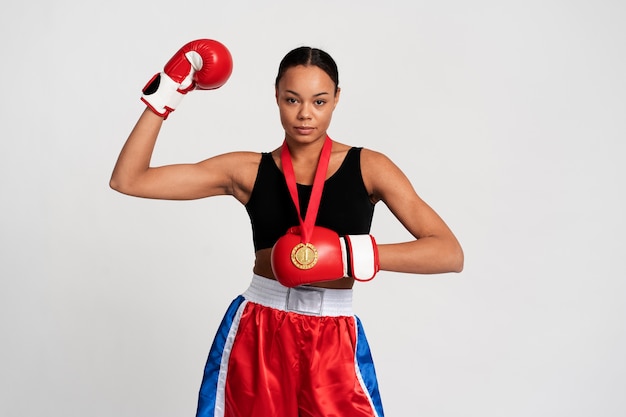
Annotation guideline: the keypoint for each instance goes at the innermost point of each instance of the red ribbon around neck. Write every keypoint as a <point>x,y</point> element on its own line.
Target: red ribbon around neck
<point>308,223</point>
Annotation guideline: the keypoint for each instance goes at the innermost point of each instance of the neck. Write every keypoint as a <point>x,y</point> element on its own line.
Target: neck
<point>305,151</point>
<point>305,158</point>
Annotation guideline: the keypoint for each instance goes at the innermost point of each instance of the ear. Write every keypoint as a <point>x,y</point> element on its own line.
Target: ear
<point>276,94</point>
<point>337,94</point>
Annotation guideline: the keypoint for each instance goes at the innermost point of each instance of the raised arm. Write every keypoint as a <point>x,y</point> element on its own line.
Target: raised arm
<point>203,64</point>
<point>435,249</point>
<point>227,174</point>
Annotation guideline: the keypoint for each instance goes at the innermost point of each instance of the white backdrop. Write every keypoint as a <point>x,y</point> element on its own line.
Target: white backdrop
<point>509,118</point>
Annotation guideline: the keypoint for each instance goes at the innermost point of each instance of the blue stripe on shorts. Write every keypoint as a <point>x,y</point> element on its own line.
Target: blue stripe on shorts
<point>365,365</point>
<point>208,389</point>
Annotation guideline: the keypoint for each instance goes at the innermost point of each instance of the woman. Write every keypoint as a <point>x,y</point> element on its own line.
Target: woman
<point>292,349</point>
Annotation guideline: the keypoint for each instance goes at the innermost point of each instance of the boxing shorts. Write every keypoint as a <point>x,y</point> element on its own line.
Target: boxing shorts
<point>290,352</point>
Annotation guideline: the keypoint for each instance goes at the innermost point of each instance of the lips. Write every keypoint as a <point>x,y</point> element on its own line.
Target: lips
<point>304,130</point>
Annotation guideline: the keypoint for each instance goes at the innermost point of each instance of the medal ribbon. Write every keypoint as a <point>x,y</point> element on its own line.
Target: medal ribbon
<point>308,224</point>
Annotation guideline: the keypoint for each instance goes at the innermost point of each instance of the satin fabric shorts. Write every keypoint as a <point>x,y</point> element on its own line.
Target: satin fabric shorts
<point>282,352</point>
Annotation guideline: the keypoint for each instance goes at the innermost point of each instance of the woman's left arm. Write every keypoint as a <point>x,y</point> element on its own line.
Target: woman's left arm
<point>435,249</point>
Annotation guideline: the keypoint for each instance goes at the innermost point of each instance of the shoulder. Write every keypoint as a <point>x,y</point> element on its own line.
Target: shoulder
<point>245,168</point>
<point>381,175</point>
<point>370,159</point>
<point>237,169</point>
<point>375,162</point>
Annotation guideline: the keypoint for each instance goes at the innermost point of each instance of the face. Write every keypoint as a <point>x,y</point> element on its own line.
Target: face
<point>306,100</point>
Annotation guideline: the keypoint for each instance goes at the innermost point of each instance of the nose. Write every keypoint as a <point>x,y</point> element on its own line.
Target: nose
<point>304,113</point>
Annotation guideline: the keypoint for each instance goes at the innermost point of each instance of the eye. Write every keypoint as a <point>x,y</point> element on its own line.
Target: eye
<point>291,100</point>
<point>320,102</point>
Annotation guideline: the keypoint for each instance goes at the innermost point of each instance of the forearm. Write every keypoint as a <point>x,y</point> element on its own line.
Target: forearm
<point>134,159</point>
<point>428,255</point>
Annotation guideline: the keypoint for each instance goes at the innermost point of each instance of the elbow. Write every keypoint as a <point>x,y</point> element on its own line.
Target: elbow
<point>113,184</point>
<point>450,259</point>
<point>457,260</point>
<point>458,265</point>
<point>120,186</point>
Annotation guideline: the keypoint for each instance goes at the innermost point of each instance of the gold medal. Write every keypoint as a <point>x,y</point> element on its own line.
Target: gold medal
<point>304,256</point>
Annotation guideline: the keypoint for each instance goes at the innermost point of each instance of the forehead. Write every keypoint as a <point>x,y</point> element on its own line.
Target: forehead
<point>306,79</point>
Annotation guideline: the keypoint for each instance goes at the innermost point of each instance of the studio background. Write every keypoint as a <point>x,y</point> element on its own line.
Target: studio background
<point>508,117</point>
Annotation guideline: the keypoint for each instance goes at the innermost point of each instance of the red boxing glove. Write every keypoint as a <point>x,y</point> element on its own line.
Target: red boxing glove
<point>203,64</point>
<point>326,257</point>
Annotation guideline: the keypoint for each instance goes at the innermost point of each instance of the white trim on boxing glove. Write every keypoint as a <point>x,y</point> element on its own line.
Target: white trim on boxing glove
<point>360,256</point>
<point>344,256</point>
<point>195,59</point>
<point>162,94</point>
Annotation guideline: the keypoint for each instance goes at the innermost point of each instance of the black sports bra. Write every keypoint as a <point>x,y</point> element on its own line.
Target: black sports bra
<point>345,206</point>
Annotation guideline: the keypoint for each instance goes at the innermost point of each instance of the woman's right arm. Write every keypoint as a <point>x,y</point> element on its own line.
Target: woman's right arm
<point>225,174</point>
<point>200,64</point>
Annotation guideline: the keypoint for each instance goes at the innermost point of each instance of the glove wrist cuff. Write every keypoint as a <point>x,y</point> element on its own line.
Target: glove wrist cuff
<point>162,94</point>
<point>361,257</point>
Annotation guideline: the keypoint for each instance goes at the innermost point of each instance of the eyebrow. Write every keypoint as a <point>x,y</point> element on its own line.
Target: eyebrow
<point>315,95</point>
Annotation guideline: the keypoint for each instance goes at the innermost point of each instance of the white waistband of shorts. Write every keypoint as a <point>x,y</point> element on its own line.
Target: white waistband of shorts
<point>304,299</point>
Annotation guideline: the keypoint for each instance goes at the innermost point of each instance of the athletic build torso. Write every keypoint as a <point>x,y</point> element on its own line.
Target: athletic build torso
<point>345,207</point>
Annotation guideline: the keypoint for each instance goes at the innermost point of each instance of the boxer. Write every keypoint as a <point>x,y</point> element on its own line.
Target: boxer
<point>290,345</point>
